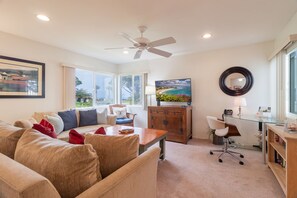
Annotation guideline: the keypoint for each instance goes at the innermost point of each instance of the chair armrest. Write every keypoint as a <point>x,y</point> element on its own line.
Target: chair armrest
<point>131,115</point>
<point>111,119</point>
<point>137,178</point>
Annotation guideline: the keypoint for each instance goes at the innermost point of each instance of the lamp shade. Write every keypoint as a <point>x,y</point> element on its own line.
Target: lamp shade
<point>240,102</point>
<point>150,90</point>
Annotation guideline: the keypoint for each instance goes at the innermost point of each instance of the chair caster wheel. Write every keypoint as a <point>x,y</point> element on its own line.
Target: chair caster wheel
<point>241,163</point>
<point>241,156</point>
<point>211,152</point>
<point>220,160</point>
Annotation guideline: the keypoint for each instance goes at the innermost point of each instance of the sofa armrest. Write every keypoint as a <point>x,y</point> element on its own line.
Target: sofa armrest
<point>111,119</point>
<point>16,180</point>
<point>138,178</point>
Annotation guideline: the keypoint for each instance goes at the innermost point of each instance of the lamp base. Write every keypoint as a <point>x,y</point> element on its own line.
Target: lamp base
<point>158,103</point>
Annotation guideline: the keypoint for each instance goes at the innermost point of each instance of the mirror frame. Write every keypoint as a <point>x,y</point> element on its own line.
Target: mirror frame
<point>248,84</point>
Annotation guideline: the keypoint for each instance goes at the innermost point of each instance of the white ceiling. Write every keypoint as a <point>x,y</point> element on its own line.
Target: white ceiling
<point>89,26</point>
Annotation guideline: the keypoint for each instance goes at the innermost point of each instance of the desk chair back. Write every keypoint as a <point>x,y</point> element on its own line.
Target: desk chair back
<point>214,123</point>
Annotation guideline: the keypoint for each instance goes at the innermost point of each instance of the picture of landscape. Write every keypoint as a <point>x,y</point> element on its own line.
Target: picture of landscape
<point>20,78</point>
<point>178,90</point>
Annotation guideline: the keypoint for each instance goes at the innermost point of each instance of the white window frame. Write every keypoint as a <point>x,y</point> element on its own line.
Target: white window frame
<point>142,88</point>
<point>287,82</point>
<point>94,73</point>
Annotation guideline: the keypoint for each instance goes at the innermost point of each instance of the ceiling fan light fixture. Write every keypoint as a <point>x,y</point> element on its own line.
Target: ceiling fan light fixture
<point>42,17</point>
<point>143,44</point>
<point>206,36</point>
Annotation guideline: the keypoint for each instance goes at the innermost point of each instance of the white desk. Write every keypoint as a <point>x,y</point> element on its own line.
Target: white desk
<point>260,120</point>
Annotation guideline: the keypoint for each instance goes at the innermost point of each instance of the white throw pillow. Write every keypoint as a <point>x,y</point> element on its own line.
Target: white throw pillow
<point>102,117</point>
<point>56,121</point>
<point>120,112</point>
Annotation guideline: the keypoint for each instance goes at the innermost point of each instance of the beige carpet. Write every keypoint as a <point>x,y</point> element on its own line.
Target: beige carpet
<point>190,171</point>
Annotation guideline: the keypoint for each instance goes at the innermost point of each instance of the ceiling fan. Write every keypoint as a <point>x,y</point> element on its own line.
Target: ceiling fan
<point>141,43</point>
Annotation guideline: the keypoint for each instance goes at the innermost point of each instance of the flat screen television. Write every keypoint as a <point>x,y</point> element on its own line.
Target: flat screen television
<point>176,90</point>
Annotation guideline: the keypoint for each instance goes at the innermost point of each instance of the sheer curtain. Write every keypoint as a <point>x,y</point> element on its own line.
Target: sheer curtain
<point>145,81</point>
<point>280,69</point>
<point>279,79</point>
<point>68,87</point>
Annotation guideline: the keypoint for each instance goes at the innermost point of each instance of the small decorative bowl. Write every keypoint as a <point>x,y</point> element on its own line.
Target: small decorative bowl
<point>126,131</point>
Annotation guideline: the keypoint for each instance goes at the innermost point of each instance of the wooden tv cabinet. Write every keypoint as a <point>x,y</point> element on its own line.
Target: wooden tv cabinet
<point>282,158</point>
<point>177,120</point>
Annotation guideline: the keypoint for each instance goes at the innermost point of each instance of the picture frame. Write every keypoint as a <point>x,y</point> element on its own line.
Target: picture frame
<point>21,78</point>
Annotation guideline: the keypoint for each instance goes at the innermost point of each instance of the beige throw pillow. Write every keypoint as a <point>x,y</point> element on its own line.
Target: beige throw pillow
<point>25,123</point>
<point>38,116</point>
<point>71,168</point>
<point>102,116</point>
<point>113,151</point>
<point>9,137</point>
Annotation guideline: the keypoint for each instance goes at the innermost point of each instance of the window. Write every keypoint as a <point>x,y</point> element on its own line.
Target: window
<point>293,82</point>
<point>104,89</point>
<point>131,88</point>
<point>84,88</point>
<point>93,89</point>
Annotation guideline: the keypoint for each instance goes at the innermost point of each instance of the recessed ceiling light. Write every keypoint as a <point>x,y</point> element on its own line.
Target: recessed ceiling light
<point>42,17</point>
<point>125,52</point>
<point>206,36</point>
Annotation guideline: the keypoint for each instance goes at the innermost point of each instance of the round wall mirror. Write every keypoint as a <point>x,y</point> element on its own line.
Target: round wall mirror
<point>236,81</point>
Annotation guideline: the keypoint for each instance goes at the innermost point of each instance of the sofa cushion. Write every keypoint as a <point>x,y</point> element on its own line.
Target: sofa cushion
<point>56,121</point>
<point>102,117</point>
<point>75,137</point>
<point>69,119</point>
<point>71,168</point>
<point>16,180</point>
<point>123,120</point>
<point>25,123</point>
<point>38,116</point>
<point>88,117</point>
<point>113,151</point>
<point>9,136</point>
<point>82,130</point>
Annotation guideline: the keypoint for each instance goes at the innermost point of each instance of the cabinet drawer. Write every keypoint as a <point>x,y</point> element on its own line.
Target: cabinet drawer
<point>154,111</point>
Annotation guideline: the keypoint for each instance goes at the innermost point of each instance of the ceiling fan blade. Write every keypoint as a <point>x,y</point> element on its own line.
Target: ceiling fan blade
<point>138,54</point>
<point>164,41</point>
<point>126,36</point>
<point>159,52</point>
<point>112,48</point>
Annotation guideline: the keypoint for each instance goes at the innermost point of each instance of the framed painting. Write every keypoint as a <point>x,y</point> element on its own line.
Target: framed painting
<point>21,78</point>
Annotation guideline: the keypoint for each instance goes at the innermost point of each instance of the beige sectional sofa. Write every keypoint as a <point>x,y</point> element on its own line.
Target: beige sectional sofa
<point>38,116</point>
<point>137,178</point>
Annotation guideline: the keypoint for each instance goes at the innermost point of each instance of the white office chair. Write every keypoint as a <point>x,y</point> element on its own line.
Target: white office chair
<point>223,130</point>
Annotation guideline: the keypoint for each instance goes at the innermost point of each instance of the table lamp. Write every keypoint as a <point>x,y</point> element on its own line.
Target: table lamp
<point>240,102</point>
<point>150,90</point>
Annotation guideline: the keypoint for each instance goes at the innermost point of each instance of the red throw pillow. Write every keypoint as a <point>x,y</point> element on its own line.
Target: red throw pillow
<point>75,137</point>
<point>46,128</point>
<point>101,131</point>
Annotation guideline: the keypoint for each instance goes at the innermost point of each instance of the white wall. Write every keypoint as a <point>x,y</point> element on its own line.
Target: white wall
<point>282,38</point>
<point>13,46</point>
<point>205,70</point>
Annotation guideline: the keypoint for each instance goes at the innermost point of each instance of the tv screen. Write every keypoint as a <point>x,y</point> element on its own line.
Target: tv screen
<point>177,90</point>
